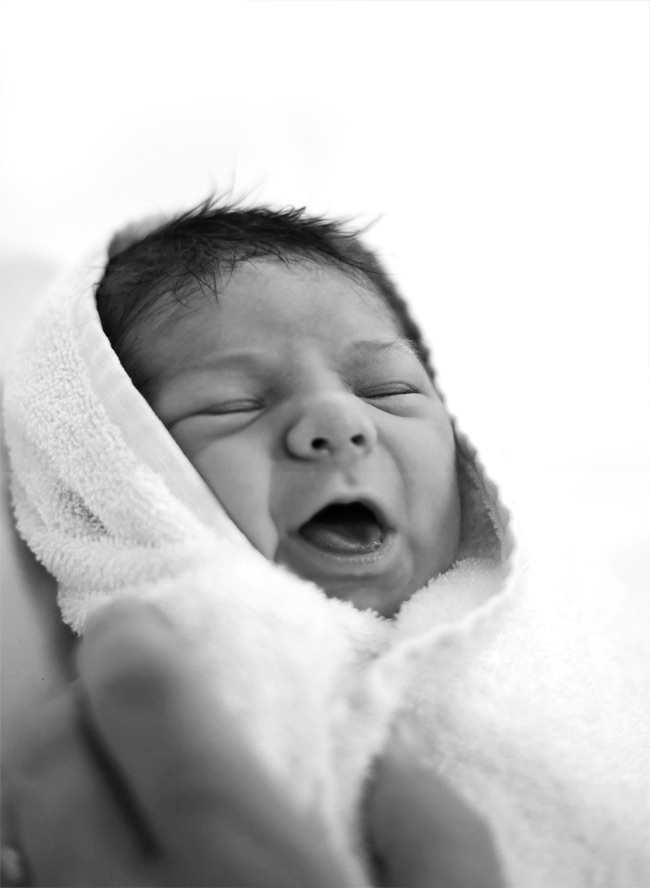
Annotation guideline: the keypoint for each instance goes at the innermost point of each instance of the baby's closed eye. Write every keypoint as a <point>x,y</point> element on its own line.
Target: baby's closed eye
<point>224,408</point>
<point>389,390</point>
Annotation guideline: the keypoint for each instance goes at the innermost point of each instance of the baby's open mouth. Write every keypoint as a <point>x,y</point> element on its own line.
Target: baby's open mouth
<point>345,529</point>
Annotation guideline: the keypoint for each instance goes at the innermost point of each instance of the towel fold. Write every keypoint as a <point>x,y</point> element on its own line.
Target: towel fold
<point>525,691</point>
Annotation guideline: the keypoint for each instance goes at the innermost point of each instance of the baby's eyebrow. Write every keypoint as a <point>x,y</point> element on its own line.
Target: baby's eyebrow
<point>370,347</point>
<point>364,348</point>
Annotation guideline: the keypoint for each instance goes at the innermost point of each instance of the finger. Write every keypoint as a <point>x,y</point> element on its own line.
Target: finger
<point>210,805</point>
<point>13,867</point>
<point>14,871</point>
<point>423,834</point>
<point>66,821</point>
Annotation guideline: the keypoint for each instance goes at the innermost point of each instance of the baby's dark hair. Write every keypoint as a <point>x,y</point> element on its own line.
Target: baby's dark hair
<point>147,270</point>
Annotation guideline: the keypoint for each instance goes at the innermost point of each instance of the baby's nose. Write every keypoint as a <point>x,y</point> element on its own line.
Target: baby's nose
<point>332,427</point>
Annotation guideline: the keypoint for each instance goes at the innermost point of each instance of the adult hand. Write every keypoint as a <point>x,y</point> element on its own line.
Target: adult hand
<point>130,779</point>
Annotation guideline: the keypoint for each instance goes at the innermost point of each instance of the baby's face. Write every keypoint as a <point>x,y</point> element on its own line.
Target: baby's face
<point>316,426</point>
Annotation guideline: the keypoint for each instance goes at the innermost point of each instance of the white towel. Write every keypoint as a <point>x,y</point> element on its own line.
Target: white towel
<point>516,700</point>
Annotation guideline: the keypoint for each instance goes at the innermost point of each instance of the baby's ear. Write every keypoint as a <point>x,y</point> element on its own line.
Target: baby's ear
<point>132,233</point>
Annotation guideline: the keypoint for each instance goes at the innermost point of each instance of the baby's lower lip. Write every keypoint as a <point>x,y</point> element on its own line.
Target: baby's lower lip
<point>347,554</point>
<point>332,541</point>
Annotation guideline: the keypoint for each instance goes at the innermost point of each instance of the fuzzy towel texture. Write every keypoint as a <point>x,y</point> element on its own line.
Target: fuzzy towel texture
<point>523,682</point>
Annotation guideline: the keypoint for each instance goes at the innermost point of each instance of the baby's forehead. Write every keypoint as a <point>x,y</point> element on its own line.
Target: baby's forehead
<point>265,279</point>
<point>270,307</point>
<point>261,270</point>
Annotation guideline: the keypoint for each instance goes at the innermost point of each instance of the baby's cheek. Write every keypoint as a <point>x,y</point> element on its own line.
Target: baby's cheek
<point>191,442</point>
<point>435,510</point>
<point>239,478</point>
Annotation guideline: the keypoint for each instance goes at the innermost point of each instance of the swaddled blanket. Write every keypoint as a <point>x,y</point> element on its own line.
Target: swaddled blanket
<point>524,690</point>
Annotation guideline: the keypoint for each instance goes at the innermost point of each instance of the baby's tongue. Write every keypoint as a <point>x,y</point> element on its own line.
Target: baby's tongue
<point>344,529</point>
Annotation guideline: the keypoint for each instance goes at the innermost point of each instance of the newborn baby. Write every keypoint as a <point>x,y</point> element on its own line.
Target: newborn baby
<point>278,355</point>
<point>235,417</point>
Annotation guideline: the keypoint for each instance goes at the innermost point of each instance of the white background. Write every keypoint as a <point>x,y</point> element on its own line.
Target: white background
<point>503,147</point>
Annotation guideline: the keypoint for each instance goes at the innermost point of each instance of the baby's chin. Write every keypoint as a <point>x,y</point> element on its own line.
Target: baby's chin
<point>385,602</point>
<point>379,580</point>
